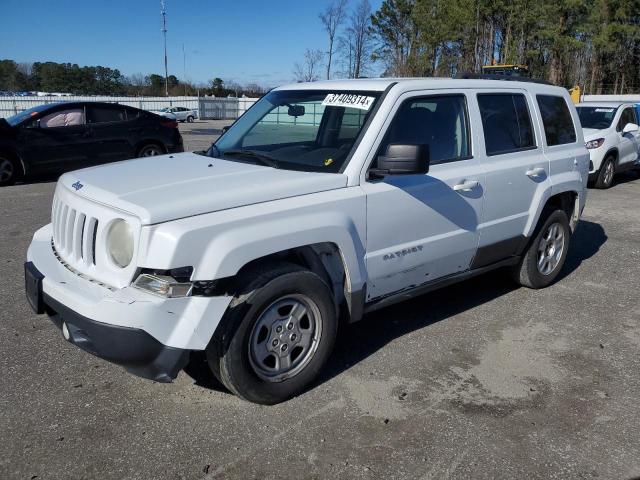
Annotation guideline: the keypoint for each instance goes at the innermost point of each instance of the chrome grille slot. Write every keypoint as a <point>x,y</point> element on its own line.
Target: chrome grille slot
<point>77,227</point>
<point>74,233</point>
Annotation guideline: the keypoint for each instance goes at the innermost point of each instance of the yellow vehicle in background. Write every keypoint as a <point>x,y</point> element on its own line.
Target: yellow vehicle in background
<point>514,70</point>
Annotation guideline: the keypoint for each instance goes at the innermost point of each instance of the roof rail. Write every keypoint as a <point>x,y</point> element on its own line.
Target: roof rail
<point>479,76</point>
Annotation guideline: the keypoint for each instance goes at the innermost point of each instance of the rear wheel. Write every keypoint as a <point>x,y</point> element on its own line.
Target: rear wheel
<point>606,173</point>
<point>10,170</point>
<point>547,252</point>
<point>276,335</point>
<point>151,150</point>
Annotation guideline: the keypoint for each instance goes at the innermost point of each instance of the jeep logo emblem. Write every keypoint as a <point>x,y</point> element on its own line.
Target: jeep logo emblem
<point>77,186</point>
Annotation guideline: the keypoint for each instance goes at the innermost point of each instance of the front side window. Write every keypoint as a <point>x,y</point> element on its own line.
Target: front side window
<point>597,118</point>
<point>309,130</point>
<point>627,116</point>
<point>63,118</point>
<point>506,123</point>
<point>556,118</point>
<point>439,122</point>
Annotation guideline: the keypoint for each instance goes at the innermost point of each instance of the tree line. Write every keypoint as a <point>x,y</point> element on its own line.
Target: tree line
<point>593,44</point>
<point>98,80</point>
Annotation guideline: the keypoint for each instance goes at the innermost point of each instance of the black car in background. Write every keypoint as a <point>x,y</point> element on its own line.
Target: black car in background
<point>65,136</point>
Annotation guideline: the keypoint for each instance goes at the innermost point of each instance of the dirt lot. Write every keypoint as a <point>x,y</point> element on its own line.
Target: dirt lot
<point>480,380</point>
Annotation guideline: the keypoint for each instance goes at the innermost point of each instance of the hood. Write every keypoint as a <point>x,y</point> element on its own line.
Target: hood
<point>592,134</point>
<point>167,187</point>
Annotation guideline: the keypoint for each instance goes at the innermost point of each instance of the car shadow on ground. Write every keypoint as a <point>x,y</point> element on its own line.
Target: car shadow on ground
<point>625,177</point>
<point>360,340</point>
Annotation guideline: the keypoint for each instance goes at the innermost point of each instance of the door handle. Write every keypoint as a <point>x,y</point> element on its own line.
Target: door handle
<point>466,186</point>
<point>535,172</point>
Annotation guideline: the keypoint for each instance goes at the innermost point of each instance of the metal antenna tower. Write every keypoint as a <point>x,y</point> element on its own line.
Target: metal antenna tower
<point>163,12</point>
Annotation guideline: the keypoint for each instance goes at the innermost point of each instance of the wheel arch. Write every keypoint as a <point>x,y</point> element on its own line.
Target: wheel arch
<point>565,200</point>
<point>149,141</point>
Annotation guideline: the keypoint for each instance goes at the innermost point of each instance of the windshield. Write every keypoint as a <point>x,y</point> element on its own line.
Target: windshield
<point>26,114</point>
<point>308,130</point>
<point>596,117</point>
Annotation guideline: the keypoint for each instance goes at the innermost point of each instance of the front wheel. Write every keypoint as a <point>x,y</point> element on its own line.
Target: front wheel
<point>276,335</point>
<point>9,170</point>
<point>190,119</point>
<point>606,173</point>
<point>546,254</point>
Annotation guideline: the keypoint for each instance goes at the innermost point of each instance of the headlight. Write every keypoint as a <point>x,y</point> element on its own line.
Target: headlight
<point>163,285</point>
<point>594,143</point>
<point>120,243</point>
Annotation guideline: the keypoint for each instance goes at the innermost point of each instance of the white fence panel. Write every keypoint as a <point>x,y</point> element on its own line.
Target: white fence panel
<point>232,107</point>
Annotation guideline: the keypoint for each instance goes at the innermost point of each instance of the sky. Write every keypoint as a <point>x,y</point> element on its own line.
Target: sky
<point>244,41</point>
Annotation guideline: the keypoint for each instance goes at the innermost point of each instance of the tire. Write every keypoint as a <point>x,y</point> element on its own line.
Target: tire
<point>10,170</point>
<point>190,119</point>
<point>533,271</point>
<point>150,150</point>
<point>606,173</point>
<point>248,352</point>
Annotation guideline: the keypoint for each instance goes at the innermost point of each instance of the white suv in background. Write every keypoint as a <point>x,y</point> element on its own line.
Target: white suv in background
<point>612,136</point>
<point>323,202</point>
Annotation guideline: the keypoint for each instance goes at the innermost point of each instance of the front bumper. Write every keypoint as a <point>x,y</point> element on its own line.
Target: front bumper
<point>132,348</point>
<point>148,335</point>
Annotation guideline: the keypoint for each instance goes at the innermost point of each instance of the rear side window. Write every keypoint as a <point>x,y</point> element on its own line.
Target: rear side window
<point>627,116</point>
<point>506,123</point>
<point>106,114</point>
<point>556,118</point>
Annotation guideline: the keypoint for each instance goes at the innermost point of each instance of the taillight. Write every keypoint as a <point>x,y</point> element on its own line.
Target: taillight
<point>169,123</point>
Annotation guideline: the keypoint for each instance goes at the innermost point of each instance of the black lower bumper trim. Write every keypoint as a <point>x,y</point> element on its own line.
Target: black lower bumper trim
<point>132,348</point>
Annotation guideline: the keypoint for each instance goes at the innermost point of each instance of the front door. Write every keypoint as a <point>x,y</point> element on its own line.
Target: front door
<point>58,141</point>
<point>424,227</point>
<point>628,146</point>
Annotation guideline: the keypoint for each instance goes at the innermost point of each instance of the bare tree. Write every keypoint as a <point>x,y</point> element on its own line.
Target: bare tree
<point>331,19</point>
<point>309,69</point>
<point>357,42</point>
<point>139,82</point>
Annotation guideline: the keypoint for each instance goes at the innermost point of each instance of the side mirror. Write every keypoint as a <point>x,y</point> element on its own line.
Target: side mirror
<point>403,160</point>
<point>295,110</point>
<point>224,129</point>
<point>630,128</point>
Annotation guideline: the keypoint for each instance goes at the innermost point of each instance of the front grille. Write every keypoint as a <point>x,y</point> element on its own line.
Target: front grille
<point>74,233</point>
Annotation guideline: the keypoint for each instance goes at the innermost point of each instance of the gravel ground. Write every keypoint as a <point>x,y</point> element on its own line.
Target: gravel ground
<point>479,380</point>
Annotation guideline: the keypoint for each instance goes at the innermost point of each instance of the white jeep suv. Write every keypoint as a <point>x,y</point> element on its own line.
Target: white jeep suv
<point>323,202</point>
<point>612,136</point>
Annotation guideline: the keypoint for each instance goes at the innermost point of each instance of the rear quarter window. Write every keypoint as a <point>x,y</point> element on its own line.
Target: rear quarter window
<point>556,119</point>
<point>106,114</point>
<point>506,123</point>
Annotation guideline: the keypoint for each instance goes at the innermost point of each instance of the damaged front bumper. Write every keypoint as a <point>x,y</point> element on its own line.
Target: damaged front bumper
<point>150,336</point>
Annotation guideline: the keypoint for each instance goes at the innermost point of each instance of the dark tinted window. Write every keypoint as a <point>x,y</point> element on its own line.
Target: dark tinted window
<point>440,122</point>
<point>556,118</point>
<point>105,114</point>
<point>627,116</point>
<point>133,113</point>
<point>506,123</point>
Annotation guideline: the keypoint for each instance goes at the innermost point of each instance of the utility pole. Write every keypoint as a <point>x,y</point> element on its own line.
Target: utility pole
<point>184,68</point>
<point>163,12</point>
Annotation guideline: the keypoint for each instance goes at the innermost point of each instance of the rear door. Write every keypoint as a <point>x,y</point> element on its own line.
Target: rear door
<point>517,172</point>
<point>111,133</point>
<point>424,227</point>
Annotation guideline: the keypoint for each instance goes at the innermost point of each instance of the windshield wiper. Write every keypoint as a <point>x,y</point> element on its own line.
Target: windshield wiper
<point>258,156</point>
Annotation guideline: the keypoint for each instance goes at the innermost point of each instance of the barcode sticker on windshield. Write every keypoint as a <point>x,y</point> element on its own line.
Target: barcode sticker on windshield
<point>604,110</point>
<point>351,100</point>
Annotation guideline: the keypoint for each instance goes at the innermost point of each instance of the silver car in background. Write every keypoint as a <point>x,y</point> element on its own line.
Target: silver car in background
<point>181,114</point>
